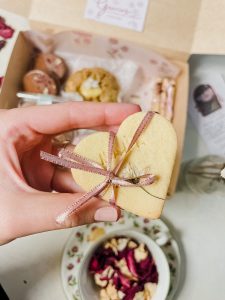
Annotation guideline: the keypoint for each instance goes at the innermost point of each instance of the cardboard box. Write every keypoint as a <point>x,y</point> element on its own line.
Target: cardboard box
<point>168,30</point>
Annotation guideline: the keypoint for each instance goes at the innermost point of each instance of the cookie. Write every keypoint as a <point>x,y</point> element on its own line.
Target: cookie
<point>154,152</point>
<point>51,64</point>
<point>39,82</point>
<point>94,84</point>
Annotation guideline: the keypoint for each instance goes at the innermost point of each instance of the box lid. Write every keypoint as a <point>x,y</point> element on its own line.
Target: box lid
<point>16,6</point>
<point>169,27</point>
<point>175,28</point>
<point>210,28</point>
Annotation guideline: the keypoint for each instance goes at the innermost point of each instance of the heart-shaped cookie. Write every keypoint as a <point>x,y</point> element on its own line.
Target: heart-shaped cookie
<point>154,152</point>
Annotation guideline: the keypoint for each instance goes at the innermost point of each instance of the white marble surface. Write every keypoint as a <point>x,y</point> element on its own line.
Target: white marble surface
<point>30,267</point>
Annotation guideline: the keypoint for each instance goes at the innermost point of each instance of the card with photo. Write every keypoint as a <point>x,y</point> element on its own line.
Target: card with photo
<point>207,109</point>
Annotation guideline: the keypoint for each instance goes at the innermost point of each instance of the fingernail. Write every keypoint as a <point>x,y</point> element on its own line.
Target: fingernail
<point>108,213</point>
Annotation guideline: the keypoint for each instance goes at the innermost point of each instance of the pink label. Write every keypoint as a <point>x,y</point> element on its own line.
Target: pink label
<point>124,13</point>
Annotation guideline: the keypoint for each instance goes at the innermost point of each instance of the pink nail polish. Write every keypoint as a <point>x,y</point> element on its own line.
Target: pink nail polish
<point>107,213</point>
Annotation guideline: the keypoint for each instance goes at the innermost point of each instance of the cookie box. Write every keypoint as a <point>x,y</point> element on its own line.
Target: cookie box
<point>168,36</point>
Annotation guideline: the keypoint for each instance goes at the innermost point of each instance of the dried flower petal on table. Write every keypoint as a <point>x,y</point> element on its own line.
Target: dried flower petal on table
<point>2,44</point>
<point>6,31</point>
<point>1,80</point>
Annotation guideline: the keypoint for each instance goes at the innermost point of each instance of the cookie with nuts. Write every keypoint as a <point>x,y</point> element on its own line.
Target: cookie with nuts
<point>94,84</point>
<point>39,82</point>
<point>51,64</point>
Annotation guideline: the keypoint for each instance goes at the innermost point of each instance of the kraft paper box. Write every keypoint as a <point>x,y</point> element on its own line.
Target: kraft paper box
<point>172,28</point>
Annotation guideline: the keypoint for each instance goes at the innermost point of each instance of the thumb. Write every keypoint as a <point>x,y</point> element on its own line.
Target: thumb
<point>39,212</point>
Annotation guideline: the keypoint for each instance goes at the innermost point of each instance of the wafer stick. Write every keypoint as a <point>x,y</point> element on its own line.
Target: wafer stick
<point>156,90</point>
<point>170,89</point>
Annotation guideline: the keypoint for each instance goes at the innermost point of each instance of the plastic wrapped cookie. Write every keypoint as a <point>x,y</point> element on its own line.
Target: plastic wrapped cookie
<point>37,81</point>
<point>51,64</point>
<point>94,84</point>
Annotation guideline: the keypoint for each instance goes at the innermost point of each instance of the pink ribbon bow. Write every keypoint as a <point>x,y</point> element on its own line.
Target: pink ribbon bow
<point>72,160</point>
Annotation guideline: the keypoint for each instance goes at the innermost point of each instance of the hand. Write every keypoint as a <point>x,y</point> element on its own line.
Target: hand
<point>27,204</point>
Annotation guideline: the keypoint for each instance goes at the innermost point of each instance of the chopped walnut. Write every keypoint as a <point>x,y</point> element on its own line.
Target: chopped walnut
<point>108,272</point>
<point>121,295</point>
<point>147,293</point>
<point>140,253</point>
<point>132,245</point>
<point>122,265</point>
<point>122,243</point>
<point>99,281</point>
<point>151,288</point>
<point>104,295</point>
<point>113,245</point>
<point>112,292</point>
<point>140,296</point>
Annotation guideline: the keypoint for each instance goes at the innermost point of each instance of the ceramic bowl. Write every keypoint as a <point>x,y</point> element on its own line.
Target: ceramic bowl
<point>88,289</point>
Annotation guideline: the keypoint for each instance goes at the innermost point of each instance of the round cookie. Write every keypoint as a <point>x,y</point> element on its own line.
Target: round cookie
<point>94,84</point>
<point>39,82</point>
<point>51,63</point>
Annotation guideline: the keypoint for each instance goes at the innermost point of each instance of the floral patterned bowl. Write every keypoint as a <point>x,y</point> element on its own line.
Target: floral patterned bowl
<point>86,285</point>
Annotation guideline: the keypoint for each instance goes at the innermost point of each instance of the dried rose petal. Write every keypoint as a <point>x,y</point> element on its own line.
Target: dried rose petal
<point>144,264</point>
<point>131,263</point>
<point>2,44</point>
<point>94,265</point>
<point>125,282</point>
<point>1,80</point>
<point>116,281</point>
<point>6,31</point>
<point>132,291</point>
